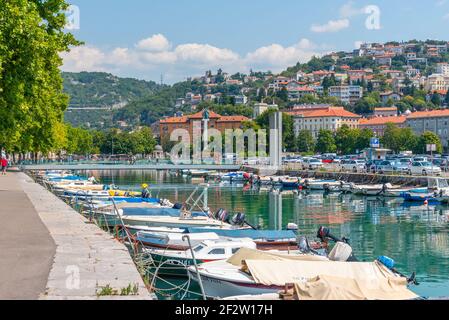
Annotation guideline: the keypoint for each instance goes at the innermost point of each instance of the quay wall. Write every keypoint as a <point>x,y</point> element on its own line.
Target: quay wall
<point>87,258</point>
<point>363,178</point>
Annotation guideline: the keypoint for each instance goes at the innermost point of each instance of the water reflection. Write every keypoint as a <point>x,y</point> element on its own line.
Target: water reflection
<point>416,236</point>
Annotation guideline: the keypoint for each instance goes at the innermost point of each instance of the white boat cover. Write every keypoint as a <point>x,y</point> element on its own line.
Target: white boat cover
<point>336,288</point>
<point>278,273</point>
<point>250,254</point>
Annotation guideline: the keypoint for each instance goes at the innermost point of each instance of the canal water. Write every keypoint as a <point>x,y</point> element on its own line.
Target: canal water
<point>415,236</point>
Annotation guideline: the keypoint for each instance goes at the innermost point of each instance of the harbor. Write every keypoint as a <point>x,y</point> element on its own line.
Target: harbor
<point>412,233</point>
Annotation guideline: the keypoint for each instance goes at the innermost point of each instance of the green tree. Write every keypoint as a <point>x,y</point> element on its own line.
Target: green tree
<point>436,99</point>
<point>305,141</point>
<point>31,98</point>
<point>363,139</point>
<point>143,141</point>
<point>345,139</point>
<point>326,142</point>
<point>426,138</point>
<point>447,98</point>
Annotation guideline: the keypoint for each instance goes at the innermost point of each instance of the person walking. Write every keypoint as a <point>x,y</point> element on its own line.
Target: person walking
<point>4,163</point>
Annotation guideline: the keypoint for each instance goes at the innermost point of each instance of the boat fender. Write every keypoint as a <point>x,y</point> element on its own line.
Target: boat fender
<point>386,261</point>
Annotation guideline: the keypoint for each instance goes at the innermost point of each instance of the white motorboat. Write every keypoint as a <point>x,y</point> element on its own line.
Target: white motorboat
<point>256,275</point>
<point>322,184</point>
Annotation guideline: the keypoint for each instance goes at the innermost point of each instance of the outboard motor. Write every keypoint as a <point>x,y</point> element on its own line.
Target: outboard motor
<point>177,206</point>
<point>222,215</point>
<point>303,245</point>
<point>238,219</point>
<point>344,249</point>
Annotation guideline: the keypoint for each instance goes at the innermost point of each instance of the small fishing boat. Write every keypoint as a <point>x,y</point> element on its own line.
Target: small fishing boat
<point>291,183</point>
<point>321,184</point>
<point>251,272</point>
<point>233,176</point>
<point>175,263</point>
<point>420,197</point>
<point>397,193</point>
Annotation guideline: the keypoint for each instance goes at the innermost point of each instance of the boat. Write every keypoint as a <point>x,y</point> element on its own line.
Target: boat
<point>254,273</point>
<point>420,197</point>
<point>175,263</point>
<point>291,183</point>
<point>321,184</point>
<point>233,176</point>
<point>325,287</point>
<point>397,192</point>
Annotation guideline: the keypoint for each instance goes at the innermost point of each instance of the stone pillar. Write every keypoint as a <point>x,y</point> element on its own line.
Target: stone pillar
<point>276,139</point>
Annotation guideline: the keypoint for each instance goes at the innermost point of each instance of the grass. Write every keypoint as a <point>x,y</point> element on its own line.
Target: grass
<point>130,290</point>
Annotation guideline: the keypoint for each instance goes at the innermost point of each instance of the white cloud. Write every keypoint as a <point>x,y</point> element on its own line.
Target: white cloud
<point>148,60</point>
<point>440,3</point>
<point>84,58</point>
<point>157,42</point>
<point>446,17</point>
<point>204,53</point>
<point>348,10</point>
<point>277,57</point>
<point>331,26</point>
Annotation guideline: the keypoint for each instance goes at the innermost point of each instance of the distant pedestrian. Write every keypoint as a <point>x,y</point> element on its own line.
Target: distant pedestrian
<point>4,163</point>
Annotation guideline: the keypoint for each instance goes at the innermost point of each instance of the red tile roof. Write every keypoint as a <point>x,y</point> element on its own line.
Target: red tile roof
<point>429,114</point>
<point>199,116</point>
<point>324,112</point>
<point>382,120</point>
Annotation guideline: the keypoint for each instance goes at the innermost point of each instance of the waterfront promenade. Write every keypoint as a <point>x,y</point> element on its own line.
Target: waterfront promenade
<point>49,251</point>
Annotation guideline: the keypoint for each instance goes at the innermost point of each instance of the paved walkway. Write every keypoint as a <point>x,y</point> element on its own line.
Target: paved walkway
<point>26,246</point>
<point>49,251</point>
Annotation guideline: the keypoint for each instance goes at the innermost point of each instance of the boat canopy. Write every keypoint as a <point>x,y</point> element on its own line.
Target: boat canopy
<point>326,287</point>
<point>245,254</point>
<point>248,233</point>
<point>278,273</point>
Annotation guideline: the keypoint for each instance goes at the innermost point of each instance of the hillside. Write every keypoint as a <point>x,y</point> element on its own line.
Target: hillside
<point>104,90</point>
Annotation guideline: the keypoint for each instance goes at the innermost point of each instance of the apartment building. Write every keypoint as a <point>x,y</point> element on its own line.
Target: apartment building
<point>319,118</point>
<point>346,94</point>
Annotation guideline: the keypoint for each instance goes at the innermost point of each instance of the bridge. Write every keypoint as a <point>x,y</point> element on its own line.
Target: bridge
<point>106,167</point>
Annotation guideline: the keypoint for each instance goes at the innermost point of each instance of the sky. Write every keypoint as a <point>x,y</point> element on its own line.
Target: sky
<point>176,39</point>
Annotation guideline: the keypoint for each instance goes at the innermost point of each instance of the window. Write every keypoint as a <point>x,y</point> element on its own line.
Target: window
<point>217,251</point>
<point>234,250</point>
<point>198,248</point>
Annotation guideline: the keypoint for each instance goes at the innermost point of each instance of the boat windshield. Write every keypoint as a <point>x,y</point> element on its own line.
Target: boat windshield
<point>198,248</point>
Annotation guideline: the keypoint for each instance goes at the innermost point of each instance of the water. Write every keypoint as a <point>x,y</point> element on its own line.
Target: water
<point>415,236</point>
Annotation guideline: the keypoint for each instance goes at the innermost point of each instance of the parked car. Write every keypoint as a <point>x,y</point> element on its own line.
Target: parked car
<point>371,166</point>
<point>352,165</point>
<point>312,164</point>
<point>386,166</point>
<point>424,168</point>
<point>403,165</point>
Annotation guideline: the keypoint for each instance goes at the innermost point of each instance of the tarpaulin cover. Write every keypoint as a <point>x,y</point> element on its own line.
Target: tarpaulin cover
<point>327,287</point>
<point>279,273</point>
<point>255,255</point>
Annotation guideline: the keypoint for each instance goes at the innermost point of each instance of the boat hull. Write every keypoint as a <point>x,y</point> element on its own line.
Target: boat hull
<point>219,288</point>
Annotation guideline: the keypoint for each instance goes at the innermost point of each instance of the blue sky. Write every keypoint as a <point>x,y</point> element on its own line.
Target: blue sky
<point>179,38</point>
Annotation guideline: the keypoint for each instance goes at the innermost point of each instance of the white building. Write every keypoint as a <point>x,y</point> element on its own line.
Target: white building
<point>346,94</point>
<point>437,82</point>
<point>443,68</point>
<point>260,108</point>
